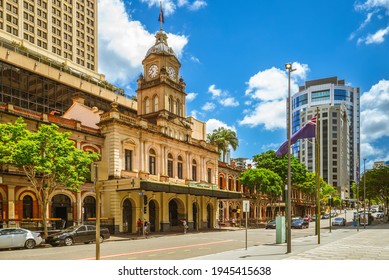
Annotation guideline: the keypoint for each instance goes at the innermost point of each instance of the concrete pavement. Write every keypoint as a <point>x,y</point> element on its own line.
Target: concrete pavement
<point>342,243</point>
<point>347,243</point>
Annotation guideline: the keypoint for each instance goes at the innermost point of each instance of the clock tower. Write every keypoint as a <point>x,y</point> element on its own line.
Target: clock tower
<point>161,91</point>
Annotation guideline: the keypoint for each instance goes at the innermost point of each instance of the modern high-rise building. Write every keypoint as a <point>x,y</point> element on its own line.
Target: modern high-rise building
<point>64,31</point>
<point>338,106</point>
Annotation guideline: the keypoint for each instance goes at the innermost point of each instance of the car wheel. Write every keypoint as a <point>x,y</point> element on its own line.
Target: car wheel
<point>30,243</point>
<point>68,241</point>
<point>101,239</point>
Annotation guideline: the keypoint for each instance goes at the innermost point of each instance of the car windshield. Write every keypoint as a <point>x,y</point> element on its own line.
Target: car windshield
<point>338,219</point>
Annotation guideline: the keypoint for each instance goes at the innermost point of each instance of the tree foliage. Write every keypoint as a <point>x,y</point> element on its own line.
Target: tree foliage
<point>377,184</point>
<point>48,158</point>
<point>223,138</point>
<point>264,181</point>
<point>279,165</point>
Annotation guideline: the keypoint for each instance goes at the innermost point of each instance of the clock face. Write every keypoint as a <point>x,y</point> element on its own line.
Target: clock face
<point>153,71</point>
<point>171,72</point>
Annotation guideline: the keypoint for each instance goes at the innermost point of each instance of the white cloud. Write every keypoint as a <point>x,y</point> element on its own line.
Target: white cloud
<point>123,43</point>
<point>229,102</point>
<point>168,6</point>
<point>268,90</point>
<point>272,83</point>
<point>194,6</point>
<point>372,7</point>
<point>375,112</point>
<point>270,114</point>
<point>216,93</point>
<point>209,106</point>
<point>378,37</point>
<point>191,96</point>
<point>213,124</point>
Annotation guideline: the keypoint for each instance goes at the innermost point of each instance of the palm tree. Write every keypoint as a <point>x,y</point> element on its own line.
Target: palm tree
<point>224,139</point>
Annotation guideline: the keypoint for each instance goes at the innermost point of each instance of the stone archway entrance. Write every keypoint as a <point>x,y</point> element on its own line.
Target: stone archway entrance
<point>209,216</point>
<point>153,219</point>
<point>195,210</point>
<point>61,208</point>
<point>173,213</point>
<point>127,216</point>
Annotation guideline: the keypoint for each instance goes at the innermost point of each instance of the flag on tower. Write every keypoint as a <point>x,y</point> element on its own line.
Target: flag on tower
<point>307,131</point>
<point>161,18</point>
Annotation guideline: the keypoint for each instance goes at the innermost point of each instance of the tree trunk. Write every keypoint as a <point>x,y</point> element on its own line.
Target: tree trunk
<point>44,213</point>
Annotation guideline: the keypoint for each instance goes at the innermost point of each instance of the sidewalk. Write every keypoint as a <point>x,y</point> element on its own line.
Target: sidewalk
<point>371,243</point>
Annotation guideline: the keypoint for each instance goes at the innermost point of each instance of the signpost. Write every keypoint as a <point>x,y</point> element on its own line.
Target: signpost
<point>246,210</point>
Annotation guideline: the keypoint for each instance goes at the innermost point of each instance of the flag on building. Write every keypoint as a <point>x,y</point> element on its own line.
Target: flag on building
<point>161,18</point>
<point>307,131</point>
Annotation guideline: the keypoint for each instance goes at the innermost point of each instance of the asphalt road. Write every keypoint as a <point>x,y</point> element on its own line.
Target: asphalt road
<point>170,247</point>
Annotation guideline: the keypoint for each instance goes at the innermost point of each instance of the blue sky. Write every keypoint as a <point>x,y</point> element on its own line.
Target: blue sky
<point>233,55</point>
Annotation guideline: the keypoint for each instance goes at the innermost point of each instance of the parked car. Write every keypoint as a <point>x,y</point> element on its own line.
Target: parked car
<point>300,223</point>
<point>325,216</point>
<point>77,234</point>
<point>19,238</point>
<point>271,224</point>
<point>339,221</point>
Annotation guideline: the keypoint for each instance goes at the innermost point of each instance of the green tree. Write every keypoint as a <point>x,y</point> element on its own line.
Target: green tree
<point>377,184</point>
<point>223,138</point>
<point>279,165</point>
<point>48,158</point>
<point>264,181</point>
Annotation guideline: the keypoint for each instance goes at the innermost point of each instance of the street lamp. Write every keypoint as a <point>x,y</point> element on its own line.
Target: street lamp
<point>330,202</point>
<point>364,194</point>
<point>97,190</point>
<point>289,68</point>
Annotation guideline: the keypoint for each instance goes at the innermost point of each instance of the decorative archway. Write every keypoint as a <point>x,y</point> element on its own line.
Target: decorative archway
<point>61,208</point>
<point>127,216</point>
<point>89,207</point>
<point>153,216</point>
<point>196,215</point>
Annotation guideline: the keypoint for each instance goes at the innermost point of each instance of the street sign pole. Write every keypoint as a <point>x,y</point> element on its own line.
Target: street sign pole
<point>246,210</point>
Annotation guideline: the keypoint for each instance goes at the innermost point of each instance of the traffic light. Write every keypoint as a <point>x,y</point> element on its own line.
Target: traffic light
<point>220,204</point>
<point>145,199</point>
<point>145,210</point>
<point>238,210</point>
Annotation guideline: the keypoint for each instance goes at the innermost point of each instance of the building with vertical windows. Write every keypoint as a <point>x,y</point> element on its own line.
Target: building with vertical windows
<point>155,162</point>
<point>339,115</point>
<point>64,31</point>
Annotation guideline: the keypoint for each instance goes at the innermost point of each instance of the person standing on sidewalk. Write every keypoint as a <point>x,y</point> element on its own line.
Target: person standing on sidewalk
<point>185,224</point>
<point>146,228</point>
<point>139,226</point>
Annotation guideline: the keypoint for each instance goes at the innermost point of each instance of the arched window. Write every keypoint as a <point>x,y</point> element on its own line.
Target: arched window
<point>89,207</point>
<point>152,162</point>
<point>179,167</point>
<point>170,103</point>
<point>194,170</point>
<point>178,108</point>
<point>147,105</point>
<point>27,207</point>
<point>155,103</point>
<point>175,107</point>
<point>170,165</point>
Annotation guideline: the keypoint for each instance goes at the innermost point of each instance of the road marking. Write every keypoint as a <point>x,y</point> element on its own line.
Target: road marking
<point>159,250</point>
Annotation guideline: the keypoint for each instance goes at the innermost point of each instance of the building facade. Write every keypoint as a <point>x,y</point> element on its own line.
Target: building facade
<point>338,106</point>
<point>155,162</point>
<point>64,31</point>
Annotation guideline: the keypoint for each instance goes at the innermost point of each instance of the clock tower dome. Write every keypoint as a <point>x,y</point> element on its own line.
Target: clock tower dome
<point>161,91</point>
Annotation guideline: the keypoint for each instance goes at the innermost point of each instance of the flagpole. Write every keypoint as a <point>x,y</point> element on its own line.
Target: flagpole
<point>161,19</point>
<point>317,156</point>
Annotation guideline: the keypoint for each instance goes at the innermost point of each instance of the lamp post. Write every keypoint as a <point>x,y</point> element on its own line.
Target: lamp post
<point>364,194</point>
<point>289,68</point>
<point>330,202</point>
<point>97,190</point>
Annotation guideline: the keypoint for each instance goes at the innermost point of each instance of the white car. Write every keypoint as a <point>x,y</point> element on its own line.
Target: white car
<point>19,238</point>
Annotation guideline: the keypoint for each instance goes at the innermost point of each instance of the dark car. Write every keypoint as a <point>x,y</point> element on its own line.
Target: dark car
<point>271,224</point>
<point>77,234</point>
<point>300,223</point>
<point>339,221</point>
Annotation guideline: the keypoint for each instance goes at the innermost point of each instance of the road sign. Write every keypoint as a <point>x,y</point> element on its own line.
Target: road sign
<point>246,206</point>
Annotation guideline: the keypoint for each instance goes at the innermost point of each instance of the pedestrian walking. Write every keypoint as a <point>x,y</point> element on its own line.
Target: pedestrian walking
<point>139,225</point>
<point>184,223</point>
<point>146,228</point>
